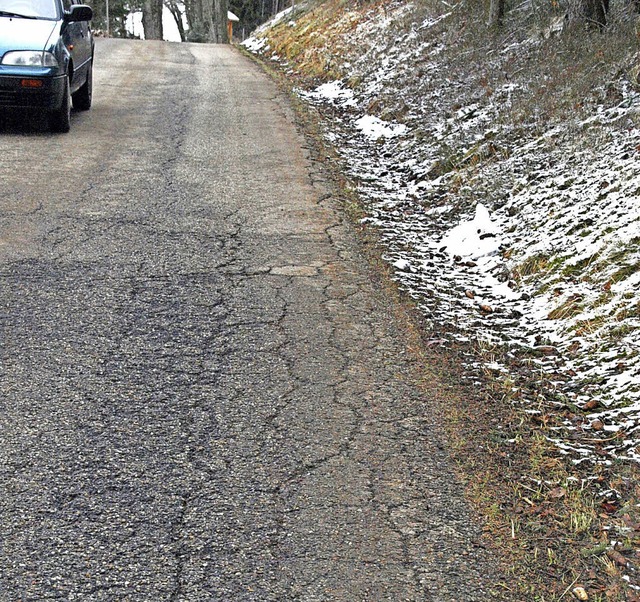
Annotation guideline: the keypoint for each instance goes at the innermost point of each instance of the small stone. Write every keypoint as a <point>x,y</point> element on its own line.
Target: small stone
<point>597,425</point>
<point>580,593</point>
<point>470,294</point>
<point>487,309</point>
<point>592,404</point>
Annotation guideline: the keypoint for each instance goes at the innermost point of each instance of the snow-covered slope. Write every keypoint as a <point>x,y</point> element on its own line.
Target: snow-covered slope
<point>514,219</point>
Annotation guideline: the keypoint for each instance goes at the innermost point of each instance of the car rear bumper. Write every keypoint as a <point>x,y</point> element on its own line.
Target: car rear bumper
<point>25,92</point>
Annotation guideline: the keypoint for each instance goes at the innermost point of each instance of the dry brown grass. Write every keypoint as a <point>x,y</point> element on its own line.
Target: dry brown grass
<point>549,523</point>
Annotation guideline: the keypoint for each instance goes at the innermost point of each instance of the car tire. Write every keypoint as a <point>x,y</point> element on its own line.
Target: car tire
<point>60,119</point>
<point>82,98</point>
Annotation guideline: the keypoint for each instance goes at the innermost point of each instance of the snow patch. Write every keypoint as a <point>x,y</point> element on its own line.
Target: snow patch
<point>333,92</point>
<point>474,239</point>
<point>375,128</point>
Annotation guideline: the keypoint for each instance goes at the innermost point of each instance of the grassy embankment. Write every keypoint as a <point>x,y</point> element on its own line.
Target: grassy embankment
<point>558,524</point>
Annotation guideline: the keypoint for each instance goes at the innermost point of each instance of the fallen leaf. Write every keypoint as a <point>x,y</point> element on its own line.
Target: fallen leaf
<point>617,558</point>
<point>547,350</point>
<point>558,493</point>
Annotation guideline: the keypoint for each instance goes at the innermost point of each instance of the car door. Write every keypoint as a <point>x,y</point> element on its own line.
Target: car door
<point>77,39</point>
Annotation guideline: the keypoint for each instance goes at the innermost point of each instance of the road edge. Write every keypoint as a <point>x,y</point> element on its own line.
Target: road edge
<point>498,450</point>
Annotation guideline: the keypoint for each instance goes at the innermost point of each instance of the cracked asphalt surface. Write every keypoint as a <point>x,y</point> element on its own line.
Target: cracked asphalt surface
<point>203,395</point>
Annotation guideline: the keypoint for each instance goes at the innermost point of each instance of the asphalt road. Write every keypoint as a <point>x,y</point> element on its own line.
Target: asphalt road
<point>202,395</point>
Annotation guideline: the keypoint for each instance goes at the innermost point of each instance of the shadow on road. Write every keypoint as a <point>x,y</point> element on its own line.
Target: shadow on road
<point>19,123</point>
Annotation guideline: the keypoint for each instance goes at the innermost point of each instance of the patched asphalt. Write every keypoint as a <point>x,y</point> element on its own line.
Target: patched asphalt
<point>204,396</point>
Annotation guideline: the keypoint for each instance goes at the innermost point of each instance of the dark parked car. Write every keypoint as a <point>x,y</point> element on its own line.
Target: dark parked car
<point>46,51</point>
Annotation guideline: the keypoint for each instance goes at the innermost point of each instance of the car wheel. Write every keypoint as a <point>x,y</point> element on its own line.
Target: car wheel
<point>82,98</point>
<point>60,119</point>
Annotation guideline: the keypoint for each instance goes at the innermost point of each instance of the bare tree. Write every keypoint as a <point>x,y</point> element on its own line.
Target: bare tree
<point>219,31</point>
<point>152,19</point>
<point>207,21</point>
<point>176,12</point>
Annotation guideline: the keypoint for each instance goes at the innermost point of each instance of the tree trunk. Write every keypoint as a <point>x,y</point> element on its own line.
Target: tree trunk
<point>199,20</point>
<point>208,21</point>
<point>594,12</point>
<point>600,10</point>
<point>219,30</point>
<point>496,13</point>
<point>193,12</point>
<point>152,19</point>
